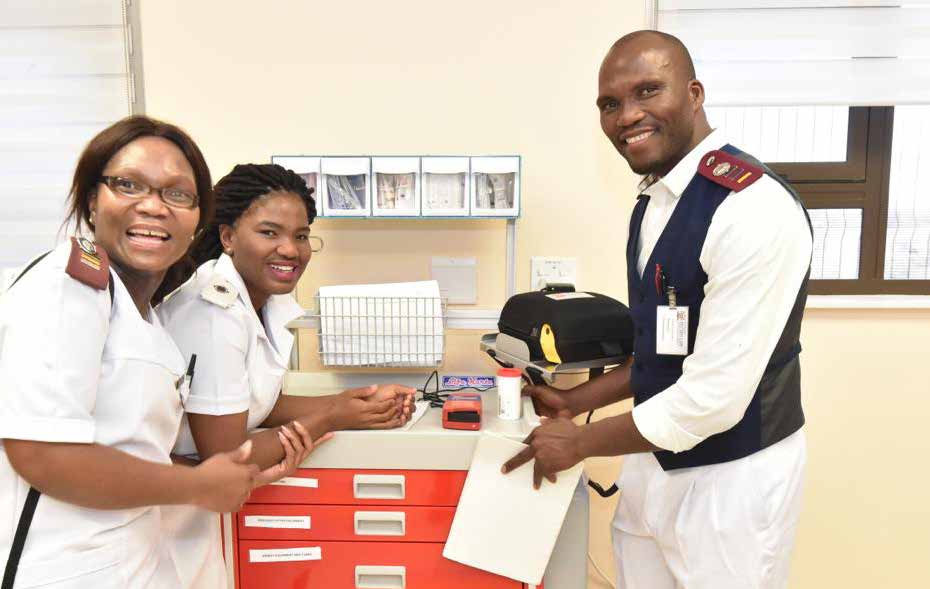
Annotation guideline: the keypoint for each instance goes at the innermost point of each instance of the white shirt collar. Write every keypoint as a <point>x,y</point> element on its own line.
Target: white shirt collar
<point>680,176</point>
<point>279,310</point>
<point>224,267</point>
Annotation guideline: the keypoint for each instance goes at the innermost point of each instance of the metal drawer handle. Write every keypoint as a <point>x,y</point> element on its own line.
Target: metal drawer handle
<point>380,577</point>
<point>379,486</point>
<point>380,523</point>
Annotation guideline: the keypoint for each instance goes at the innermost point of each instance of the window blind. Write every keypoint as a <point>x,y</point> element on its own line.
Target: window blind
<point>67,74</point>
<point>804,52</point>
<point>907,244</point>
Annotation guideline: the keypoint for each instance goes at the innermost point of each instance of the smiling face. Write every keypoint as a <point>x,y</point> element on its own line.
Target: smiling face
<point>650,108</point>
<point>143,236</point>
<point>270,245</point>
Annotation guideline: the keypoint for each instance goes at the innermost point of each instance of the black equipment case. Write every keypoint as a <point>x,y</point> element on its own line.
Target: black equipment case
<point>568,326</point>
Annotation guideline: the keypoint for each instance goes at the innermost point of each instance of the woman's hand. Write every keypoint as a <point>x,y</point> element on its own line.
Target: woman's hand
<point>298,445</point>
<point>403,397</point>
<point>224,481</point>
<point>373,407</point>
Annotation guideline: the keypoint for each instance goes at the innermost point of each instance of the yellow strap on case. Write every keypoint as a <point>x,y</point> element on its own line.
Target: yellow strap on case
<point>547,343</point>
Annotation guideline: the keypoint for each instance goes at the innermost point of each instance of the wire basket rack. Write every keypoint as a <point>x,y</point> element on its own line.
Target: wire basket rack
<point>382,332</point>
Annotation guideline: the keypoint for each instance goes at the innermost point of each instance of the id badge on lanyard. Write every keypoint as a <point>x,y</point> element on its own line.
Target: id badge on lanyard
<point>671,320</point>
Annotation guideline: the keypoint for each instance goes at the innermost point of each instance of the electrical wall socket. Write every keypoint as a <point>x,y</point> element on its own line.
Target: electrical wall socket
<point>548,269</point>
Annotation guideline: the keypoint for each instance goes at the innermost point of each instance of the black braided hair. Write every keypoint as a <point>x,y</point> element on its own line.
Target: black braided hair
<point>235,193</point>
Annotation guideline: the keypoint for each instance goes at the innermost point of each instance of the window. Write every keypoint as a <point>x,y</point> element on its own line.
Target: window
<point>773,68</point>
<point>69,70</point>
<point>864,175</point>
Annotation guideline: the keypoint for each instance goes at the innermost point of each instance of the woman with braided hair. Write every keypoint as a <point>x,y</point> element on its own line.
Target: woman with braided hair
<point>233,314</point>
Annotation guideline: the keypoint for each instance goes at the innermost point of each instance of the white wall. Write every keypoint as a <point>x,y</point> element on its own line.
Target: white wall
<point>252,79</point>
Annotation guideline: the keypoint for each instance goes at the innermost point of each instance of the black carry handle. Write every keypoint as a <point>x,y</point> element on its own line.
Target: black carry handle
<point>32,498</point>
<point>535,376</point>
<point>19,539</point>
<point>29,508</point>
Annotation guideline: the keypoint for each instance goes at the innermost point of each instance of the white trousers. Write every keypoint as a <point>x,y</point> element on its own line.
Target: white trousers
<point>196,545</point>
<point>723,526</point>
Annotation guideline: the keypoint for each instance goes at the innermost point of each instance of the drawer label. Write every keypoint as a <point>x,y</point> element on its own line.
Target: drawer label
<point>297,482</point>
<point>286,554</point>
<point>296,522</point>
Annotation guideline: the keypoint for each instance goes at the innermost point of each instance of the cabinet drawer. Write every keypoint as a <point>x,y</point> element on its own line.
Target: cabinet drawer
<point>344,523</point>
<point>365,487</point>
<point>357,565</point>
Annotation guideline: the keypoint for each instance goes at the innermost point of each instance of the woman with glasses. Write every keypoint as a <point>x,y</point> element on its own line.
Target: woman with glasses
<point>233,315</point>
<point>92,387</point>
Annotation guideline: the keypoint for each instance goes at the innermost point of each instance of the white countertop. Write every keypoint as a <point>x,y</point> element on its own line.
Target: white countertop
<point>425,446</point>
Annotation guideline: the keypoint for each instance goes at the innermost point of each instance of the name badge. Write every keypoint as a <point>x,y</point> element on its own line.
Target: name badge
<point>672,331</point>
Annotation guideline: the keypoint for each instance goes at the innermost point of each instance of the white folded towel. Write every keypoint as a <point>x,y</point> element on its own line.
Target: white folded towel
<point>396,324</point>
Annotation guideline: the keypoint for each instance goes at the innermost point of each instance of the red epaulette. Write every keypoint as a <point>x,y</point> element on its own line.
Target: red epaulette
<point>88,264</point>
<point>728,170</point>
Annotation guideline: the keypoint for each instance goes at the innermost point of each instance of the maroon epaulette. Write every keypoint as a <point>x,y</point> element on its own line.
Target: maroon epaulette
<point>88,264</point>
<point>728,170</point>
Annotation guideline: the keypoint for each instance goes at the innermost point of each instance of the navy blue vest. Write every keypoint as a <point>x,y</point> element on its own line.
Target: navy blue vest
<point>775,410</point>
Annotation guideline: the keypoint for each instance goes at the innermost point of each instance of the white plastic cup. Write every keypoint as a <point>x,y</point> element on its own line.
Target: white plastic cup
<point>509,384</point>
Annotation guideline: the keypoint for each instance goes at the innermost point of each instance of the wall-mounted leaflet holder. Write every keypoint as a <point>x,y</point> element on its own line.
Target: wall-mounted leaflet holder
<point>445,182</point>
<point>346,186</point>
<point>495,186</point>
<point>396,186</point>
<point>306,167</point>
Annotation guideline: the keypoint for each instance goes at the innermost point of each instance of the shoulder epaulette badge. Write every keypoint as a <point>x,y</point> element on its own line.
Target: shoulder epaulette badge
<point>88,264</point>
<point>728,170</point>
<point>219,291</point>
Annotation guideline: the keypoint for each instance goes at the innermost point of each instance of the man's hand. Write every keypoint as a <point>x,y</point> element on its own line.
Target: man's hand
<point>549,401</point>
<point>554,445</point>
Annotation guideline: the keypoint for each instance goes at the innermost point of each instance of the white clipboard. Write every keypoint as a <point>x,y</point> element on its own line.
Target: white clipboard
<point>502,524</point>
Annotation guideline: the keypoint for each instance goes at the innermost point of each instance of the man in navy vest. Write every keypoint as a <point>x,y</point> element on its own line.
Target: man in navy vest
<point>718,259</point>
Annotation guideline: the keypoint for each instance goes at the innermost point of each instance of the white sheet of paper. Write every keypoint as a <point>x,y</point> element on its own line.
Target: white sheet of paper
<point>286,554</point>
<point>297,482</point>
<point>502,525</point>
<point>296,522</point>
<point>419,410</point>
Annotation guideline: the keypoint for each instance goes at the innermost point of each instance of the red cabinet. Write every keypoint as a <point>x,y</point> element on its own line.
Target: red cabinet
<point>358,565</point>
<point>354,529</point>
<point>344,523</point>
<point>372,487</point>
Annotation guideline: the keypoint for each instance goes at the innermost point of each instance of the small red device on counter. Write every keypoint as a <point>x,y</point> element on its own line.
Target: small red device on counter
<point>462,411</point>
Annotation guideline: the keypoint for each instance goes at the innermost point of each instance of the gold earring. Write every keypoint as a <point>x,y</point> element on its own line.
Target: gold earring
<point>93,217</point>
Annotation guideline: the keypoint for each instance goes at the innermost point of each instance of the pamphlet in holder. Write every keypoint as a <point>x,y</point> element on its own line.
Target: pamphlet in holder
<point>396,186</point>
<point>445,186</point>
<point>307,167</point>
<point>346,186</point>
<point>495,186</point>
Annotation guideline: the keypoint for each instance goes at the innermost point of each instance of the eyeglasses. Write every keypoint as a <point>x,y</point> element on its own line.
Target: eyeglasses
<point>173,197</point>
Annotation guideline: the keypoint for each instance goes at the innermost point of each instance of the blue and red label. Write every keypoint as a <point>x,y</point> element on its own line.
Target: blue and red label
<point>461,382</point>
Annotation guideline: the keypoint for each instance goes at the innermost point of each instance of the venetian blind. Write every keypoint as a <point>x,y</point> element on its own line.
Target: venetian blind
<point>907,245</point>
<point>796,52</point>
<point>66,70</point>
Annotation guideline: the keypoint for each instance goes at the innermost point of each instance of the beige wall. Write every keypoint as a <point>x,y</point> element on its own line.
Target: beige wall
<point>251,79</point>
